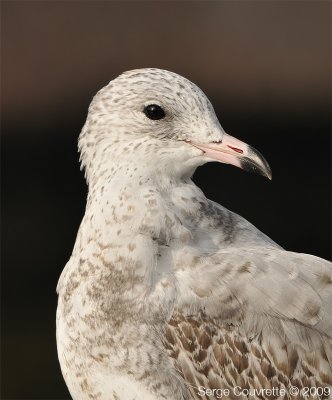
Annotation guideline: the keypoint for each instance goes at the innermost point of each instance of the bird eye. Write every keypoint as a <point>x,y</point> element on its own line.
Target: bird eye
<point>153,111</point>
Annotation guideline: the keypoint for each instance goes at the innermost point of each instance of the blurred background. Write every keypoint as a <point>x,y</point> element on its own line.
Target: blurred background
<point>264,65</point>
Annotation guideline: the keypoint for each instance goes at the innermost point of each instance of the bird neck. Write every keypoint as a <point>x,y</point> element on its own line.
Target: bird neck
<point>136,206</point>
<point>126,232</point>
<point>138,201</point>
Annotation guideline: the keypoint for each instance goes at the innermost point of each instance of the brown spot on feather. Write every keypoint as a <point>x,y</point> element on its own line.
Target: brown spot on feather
<point>204,339</point>
<point>245,268</point>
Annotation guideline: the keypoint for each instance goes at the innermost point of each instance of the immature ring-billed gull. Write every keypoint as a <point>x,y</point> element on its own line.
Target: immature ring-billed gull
<point>168,295</point>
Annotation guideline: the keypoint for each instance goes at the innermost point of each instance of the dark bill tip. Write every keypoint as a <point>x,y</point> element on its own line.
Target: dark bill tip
<point>256,163</point>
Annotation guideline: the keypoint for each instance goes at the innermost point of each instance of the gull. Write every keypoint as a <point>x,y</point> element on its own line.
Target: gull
<point>169,295</point>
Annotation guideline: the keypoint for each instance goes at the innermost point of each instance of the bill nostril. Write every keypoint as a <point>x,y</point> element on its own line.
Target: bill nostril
<point>235,149</point>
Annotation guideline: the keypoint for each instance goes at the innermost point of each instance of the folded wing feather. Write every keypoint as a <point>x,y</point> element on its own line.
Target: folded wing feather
<point>255,317</point>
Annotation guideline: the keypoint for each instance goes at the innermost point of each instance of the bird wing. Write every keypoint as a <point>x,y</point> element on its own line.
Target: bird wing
<point>253,317</point>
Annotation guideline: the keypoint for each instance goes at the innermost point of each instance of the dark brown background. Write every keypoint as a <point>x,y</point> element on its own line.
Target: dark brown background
<point>264,65</point>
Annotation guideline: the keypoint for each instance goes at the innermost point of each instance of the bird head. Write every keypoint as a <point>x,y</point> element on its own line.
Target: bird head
<point>159,117</point>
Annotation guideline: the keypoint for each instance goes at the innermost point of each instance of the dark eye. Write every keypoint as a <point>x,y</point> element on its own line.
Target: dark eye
<point>153,111</point>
